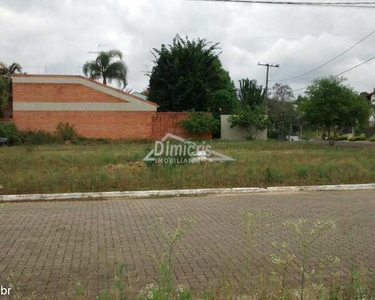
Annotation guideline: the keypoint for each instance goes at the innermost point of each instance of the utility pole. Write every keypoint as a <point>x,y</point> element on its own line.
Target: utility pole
<point>268,70</point>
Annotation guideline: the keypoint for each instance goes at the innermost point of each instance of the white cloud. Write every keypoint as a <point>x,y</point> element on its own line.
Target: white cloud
<point>59,35</point>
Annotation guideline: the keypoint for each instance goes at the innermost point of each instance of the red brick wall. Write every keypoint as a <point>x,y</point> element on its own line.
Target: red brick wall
<point>92,124</point>
<point>59,92</point>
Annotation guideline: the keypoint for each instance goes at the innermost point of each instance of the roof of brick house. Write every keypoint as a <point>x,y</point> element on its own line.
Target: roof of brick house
<point>110,95</point>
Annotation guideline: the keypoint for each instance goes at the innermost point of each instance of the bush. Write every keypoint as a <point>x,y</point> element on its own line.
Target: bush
<point>9,131</point>
<point>358,138</point>
<point>199,123</point>
<point>39,137</point>
<point>372,139</point>
<point>369,132</point>
<point>340,138</point>
<point>80,140</point>
<point>66,131</point>
<point>250,118</point>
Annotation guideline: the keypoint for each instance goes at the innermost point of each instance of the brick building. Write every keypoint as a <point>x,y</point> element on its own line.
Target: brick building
<point>40,102</point>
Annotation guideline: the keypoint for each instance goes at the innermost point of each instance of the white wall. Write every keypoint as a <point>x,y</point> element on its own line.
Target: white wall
<point>238,133</point>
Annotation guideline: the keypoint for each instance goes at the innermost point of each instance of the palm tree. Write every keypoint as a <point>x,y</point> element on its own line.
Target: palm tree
<point>104,67</point>
<point>6,72</point>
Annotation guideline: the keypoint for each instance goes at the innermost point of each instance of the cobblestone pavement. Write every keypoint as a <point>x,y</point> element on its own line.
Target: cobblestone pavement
<point>50,246</point>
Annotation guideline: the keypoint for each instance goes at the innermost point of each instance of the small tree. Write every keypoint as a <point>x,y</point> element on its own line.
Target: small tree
<point>332,104</point>
<point>199,123</point>
<point>250,119</point>
<point>284,116</point>
<point>250,94</point>
<point>282,92</point>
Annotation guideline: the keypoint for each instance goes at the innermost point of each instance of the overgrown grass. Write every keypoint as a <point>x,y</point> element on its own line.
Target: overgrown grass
<point>110,167</point>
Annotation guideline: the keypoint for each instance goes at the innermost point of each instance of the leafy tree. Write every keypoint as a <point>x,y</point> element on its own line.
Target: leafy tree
<point>188,75</point>
<point>251,114</point>
<point>106,68</point>
<point>284,116</point>
<point>282,92</point>
<point>250,118</point>
<point>250,93</point>
<point>199,123</point>
<point>332,104</point>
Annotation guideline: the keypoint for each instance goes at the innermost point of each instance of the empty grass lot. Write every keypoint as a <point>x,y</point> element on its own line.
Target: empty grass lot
<point>119,167</point>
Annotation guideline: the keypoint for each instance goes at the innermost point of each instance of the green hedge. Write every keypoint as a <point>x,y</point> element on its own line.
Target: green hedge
<point>9,131</point>
<point>341,138</point>
<point>16,137</point>
<point>358,138</point>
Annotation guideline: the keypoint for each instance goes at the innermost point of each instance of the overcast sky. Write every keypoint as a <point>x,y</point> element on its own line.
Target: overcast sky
<point>55,36</point>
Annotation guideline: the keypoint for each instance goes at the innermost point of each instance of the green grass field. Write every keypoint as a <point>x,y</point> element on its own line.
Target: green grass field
<point>119,167</point>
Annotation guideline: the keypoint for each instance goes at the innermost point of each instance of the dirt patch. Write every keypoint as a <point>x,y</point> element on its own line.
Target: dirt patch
<point>114,168</point>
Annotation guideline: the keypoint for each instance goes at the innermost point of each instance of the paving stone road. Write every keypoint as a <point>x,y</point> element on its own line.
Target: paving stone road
<point>50,246</point>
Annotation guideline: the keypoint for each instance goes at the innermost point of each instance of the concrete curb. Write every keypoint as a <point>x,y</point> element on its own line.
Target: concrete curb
<point>192,192</point>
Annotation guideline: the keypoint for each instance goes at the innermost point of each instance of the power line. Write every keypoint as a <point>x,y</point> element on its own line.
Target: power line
<point>328,62</point>
<point>362,4</point>
<point>356,66</point>
<point>346,71</point>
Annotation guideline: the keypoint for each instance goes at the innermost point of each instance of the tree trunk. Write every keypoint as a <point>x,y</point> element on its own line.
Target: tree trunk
<point>105,80</point>
<point>290,131</point>
<point>330,139</point>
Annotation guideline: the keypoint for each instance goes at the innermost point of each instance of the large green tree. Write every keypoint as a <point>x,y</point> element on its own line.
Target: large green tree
<point>188,75</point>
<point>107,68</point>
<point>333,105</point>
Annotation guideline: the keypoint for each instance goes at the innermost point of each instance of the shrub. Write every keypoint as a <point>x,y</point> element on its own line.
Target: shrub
<point>199,123</point>
<point>272,174</point>
<point>39,137</point>
<point>9,131</point>
<point>341,138</point>
<point>66,131</point>
<point>369,132</point>
<point>372,139</point>
<point>80,140</point>
<point>358,138</point>
<point>250,118</point>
